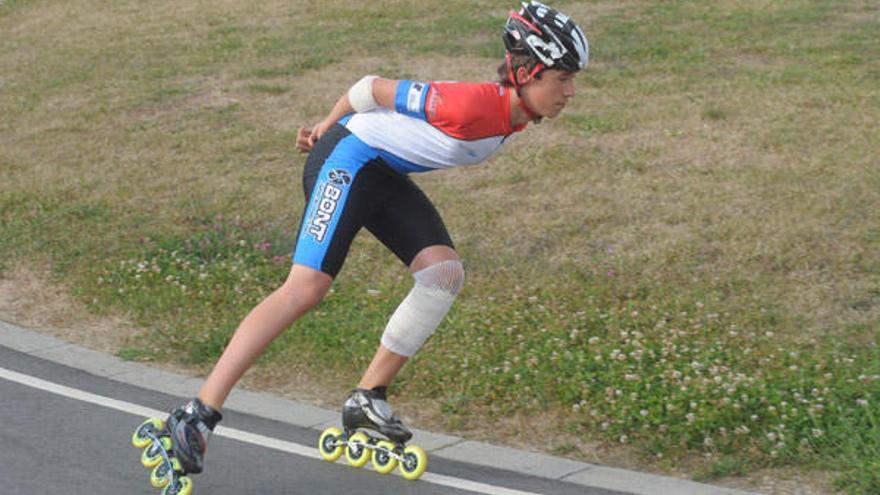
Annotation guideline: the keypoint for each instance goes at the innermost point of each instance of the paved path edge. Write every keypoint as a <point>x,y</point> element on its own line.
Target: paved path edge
<point>305,415</point>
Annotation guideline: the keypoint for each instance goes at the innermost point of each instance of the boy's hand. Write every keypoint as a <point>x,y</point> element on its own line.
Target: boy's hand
<point>303,141</point>
<point>306,138</point>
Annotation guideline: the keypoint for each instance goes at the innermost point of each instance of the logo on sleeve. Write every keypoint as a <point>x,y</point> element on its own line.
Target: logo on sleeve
<point>415,96</point>
<point>434,100</point>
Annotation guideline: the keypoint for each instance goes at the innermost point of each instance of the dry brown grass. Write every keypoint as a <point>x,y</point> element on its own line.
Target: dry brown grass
<point>28,298</point>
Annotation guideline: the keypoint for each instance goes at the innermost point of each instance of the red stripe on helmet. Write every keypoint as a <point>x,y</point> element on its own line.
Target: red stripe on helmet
<point>522,19</point>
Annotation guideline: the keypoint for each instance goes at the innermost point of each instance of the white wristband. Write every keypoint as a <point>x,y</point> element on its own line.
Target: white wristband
<point>361,95</point>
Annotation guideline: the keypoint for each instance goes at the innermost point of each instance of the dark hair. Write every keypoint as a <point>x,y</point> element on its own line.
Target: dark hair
<point>516,61</point>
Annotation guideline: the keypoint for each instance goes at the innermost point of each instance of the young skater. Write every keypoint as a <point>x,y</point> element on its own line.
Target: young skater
<point>355,176</point>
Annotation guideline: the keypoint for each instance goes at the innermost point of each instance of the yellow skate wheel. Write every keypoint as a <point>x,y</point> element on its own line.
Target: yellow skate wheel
<point>159,477</point>
<point>383,463</point>
<point>414,462</point>
<point>327,444</point>
<point>356,451</point>
<point>183,486</point>
<point>152,455</point>
<point>139,438</point>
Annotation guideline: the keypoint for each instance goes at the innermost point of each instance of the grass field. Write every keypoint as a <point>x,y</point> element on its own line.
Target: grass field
<point>685,266</point>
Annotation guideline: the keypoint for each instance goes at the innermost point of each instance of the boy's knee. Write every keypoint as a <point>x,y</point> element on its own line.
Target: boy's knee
<point>446,276</point>
<point>306,287</point>
<point>419,315</point>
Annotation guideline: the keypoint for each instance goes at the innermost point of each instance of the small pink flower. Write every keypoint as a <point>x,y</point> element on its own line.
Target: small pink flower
<point>610,272</point>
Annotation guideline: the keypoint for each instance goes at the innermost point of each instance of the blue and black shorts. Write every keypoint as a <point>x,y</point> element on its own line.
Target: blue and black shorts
<point>349,186</point>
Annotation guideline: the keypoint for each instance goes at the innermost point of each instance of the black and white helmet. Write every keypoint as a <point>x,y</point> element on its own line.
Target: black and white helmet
<point>547,35</point>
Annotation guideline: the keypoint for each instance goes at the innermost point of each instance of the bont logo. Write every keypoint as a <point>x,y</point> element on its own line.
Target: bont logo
<point>339,177</point>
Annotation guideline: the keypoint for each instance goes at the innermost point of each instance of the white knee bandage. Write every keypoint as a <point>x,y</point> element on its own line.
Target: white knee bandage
<point>424,308</point>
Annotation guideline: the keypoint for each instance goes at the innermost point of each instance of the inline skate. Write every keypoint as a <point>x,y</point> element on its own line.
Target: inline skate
<point>368,409</point>
<point>176,447</point>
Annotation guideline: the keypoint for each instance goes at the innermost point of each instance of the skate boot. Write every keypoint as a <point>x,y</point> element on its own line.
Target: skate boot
<point>369,410</point>
<point>176,447</point>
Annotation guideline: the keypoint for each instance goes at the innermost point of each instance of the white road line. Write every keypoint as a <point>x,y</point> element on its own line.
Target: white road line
<point>240,435</point>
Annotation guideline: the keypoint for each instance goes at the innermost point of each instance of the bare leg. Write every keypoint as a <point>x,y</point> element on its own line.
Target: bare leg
<point>386,364</point>
<point>383,368</point>
<point>303,290</point>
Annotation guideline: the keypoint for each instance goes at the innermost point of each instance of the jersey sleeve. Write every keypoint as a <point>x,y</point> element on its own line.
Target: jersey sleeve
<point>463,110</point>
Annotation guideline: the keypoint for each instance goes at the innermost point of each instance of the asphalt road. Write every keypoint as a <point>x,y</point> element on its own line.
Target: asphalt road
<point>51,444</point>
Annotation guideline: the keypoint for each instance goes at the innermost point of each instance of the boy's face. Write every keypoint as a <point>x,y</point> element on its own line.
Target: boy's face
<point>549,94</point>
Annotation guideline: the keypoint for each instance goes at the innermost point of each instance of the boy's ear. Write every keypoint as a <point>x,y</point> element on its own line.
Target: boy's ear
<point>522,76</point>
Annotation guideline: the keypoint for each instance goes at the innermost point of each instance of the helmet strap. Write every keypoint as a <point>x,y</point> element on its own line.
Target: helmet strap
<point>510,74</point>
<point>521,102</point>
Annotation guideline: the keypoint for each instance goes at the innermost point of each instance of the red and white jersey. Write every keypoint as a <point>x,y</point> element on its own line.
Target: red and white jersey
<point>437,125</point>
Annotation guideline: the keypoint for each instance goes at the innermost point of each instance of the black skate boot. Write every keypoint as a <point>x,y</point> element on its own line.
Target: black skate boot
<point>370,409</point>
<point>190,427</point>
